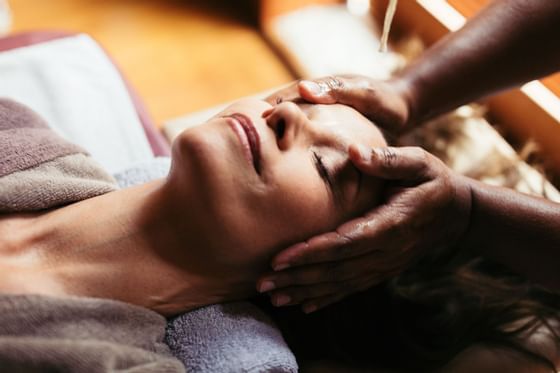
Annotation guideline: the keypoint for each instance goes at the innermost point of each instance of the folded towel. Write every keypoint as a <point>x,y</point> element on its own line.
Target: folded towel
<point>39,169</point>
<point>48,334</point>
<point>231,337</point>
<point>142,172</point>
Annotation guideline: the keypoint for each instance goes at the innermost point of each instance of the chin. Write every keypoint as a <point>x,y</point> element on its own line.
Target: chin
<point>201,153</point>
<point>195,144</point>
<point>202,159</point>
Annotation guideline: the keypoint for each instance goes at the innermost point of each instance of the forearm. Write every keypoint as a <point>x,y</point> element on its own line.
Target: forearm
<point>507,44</point>
<point>517,230</point>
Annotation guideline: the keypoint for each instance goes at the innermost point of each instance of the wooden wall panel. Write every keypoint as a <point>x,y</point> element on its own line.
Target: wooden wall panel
<point>523,114</point>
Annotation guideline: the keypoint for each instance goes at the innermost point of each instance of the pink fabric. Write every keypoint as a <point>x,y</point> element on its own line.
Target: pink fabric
<point>159,145</point>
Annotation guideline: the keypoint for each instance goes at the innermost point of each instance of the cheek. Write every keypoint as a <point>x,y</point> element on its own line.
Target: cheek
<point>297,207</point>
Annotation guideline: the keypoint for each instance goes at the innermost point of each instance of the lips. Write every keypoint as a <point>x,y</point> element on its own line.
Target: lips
<point>249,138</point>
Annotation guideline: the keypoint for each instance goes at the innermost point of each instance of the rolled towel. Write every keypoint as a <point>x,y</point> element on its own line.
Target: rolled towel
<point>230,337</point>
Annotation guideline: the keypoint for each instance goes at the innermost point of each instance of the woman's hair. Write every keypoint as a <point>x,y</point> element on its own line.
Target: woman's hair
<point>441,310</point>
<point>424,317</point>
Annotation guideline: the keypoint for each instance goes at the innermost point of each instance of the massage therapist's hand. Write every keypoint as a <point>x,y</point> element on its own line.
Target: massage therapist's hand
<point>425,207</point>
<point>383,102</point>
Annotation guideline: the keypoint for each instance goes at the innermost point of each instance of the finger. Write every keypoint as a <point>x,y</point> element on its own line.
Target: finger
<point>327,90</point>
<point>333,89</point>
<point>373,267</point>
<point>379,229</point>
<point>316,304</point>
<point>298,294</point>
<point>323,247</point>
<point>394,163</point>
<point>289,93</point>
<point>335,271</point>
<point>352,239</point>
<point>306,275</point>
<point>317,92</point>
<point>341,244</point>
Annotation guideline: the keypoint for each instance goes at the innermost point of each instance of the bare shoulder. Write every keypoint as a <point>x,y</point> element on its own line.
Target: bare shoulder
<point>483,358</point>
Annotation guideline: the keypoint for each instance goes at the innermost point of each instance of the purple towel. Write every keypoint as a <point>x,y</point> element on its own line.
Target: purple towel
<point>71,334</point>
<point>39,169</point>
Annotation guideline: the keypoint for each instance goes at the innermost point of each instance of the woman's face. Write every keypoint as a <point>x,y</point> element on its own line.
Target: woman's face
<point>261,182</point>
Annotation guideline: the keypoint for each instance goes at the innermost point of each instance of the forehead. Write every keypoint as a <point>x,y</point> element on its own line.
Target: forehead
<point>344,122</point>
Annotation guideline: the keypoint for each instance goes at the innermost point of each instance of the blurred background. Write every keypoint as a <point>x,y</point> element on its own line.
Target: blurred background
<point>186,55</point>
<point>181,55</point>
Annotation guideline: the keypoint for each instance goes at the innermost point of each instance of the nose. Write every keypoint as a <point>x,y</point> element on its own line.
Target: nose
<point>287,121</point>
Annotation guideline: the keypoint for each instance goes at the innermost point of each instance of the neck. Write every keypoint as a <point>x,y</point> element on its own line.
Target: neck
<point>131,245</point>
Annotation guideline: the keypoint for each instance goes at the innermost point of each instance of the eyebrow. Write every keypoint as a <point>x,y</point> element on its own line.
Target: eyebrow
<point>326,176</point>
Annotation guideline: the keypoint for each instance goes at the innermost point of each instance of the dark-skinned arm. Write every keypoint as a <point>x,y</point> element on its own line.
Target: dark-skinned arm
<point>507,44</point>
<point>517,230</point>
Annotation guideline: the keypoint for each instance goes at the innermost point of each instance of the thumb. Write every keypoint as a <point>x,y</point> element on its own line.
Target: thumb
<point>316,92</point>
<point>403,163</point>
<point>328,90</point>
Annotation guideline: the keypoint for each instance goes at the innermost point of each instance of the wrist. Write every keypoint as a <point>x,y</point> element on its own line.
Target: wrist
<point>407,94</point>
<point>464,210</point>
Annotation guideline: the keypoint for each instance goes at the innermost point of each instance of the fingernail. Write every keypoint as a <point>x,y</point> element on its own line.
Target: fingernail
<point>313,88</point>
<point>308,308</point>
<point>266,286</point>
<point>281,266</point>
<point>282,300</point>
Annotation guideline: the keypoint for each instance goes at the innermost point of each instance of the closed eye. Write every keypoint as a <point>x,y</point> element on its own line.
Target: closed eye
<point>323,172</point>
<point>328,176</point>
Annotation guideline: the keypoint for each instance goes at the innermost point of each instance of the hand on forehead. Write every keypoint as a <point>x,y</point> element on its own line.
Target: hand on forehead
<point>344,122</point>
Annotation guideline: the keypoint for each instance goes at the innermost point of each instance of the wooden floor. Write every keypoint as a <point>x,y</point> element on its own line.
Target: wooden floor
<point>181,55</point>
